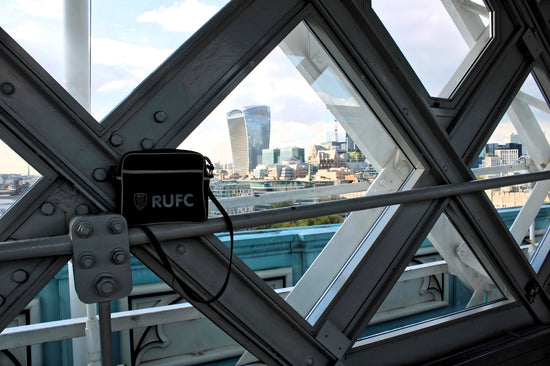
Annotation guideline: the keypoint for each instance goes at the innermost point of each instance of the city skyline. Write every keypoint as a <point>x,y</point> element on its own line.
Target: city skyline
<point>128,46</point>
<point>12,163</point>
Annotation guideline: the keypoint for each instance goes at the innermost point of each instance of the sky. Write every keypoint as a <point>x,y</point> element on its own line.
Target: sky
<point>131,38</point>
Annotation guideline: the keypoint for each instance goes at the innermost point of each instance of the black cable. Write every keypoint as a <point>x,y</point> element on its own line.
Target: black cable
<point>164,258</point>
<point>438,288</point>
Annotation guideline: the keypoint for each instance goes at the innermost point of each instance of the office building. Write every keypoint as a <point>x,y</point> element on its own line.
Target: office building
<point>292,152</point>
<point>271,156</point>
<point>249,131</point>
<point>507,156</point>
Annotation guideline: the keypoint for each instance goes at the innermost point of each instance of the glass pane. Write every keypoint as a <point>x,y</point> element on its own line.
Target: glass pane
<point>444,277</point>
<point>16,178</point>
<point>129,42</point>
<point>518,145</point>
<point>295,132</point>
<point>440,39</point>
<point>38,27</point>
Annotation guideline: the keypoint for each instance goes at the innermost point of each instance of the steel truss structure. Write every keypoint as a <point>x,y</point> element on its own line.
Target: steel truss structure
<point>440,136</point>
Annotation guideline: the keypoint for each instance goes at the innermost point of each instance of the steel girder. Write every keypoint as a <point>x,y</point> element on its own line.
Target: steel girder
<point>444,134</point>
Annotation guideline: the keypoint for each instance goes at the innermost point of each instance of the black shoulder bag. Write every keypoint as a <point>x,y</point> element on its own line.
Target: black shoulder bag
<point>168,186</point>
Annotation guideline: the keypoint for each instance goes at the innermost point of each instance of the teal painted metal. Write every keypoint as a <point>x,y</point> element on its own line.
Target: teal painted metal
<point>260,249</point>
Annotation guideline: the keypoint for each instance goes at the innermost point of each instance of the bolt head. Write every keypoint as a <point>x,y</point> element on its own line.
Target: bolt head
<point>82,210</point>
<point>86,260</point>
<point>118,256</point>
<point>7,88</point>
<point>116,139</point>
<point>106,285</point>
<point>160,116</point>
<point>116,226</point>
<point>20,276</point>
<point>84,229</point>
<point>180,249</point>
<point>100,175</point>
<point>47,209</point>
<point>147,144</point>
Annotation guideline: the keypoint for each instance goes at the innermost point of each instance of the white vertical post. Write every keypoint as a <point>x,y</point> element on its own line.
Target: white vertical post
<point>77,80</point>
<point>77,50</point>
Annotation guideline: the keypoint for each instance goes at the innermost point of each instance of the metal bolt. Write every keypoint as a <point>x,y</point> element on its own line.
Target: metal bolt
<point>105,285</point>
<point>2,300</point>
<point>180,249</point>
<point>47,209</point>
<point>146,144</point>
<point>100,174</point>
<point>84,229</point>
<point>310,361</point>
<point>82,209</point>
<point>20,276</point>
<point>116,226</point>
<point>160,116</point>
<point>116,139</point>
<point>86,260</point>
<point>7,88</point>
<point>118,256</point>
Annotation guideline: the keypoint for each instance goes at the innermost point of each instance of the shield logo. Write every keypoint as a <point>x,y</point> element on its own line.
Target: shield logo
<point>140,200</point>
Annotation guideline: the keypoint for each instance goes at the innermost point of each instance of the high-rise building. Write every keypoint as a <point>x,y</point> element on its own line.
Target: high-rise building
<point>271,156</point>
<point>249,130</point>
<point>350,144</point>
<point>292,152</point>
<point>492,148</point>
<point>507,156</point>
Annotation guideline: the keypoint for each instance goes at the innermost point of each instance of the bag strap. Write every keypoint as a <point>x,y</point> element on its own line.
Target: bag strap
<point>164,258</point>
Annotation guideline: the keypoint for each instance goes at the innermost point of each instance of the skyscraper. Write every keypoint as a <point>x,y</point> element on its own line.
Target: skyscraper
<point>249,131</point>
<point>292,152</point>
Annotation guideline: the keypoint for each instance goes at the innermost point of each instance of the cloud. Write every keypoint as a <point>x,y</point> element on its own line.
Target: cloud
<point>186,16</point>
<point>51,9</point>
<point>116,53</point>
<point>117,68</point>
<point>298,116</point>
<point>114,84</point>
<point>43,41</point>
<point>427,36</point>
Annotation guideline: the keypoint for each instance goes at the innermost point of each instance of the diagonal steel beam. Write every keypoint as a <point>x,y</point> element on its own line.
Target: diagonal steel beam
<point>249,310</point>
<point>37,109</point>
<point>196,78</point>
<point>183,70</point>
<point>66,154</point>
<point>351,311</point>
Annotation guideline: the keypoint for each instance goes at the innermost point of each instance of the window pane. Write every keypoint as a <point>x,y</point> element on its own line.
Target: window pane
<point>129,42</point>
<point>440,39</point>
<point>519,145</point>
<point>16,178</point>
<point>295,132</point>
<point>444,277</point>
<point>38,27</point>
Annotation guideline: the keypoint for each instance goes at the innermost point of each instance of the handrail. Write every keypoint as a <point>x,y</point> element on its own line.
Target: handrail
<point>303,193</point>
<point>61,245</point>
<point>24,335</point>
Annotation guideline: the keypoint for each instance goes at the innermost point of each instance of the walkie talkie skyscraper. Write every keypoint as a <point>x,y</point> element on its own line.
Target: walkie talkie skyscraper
<point>249,131</point>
